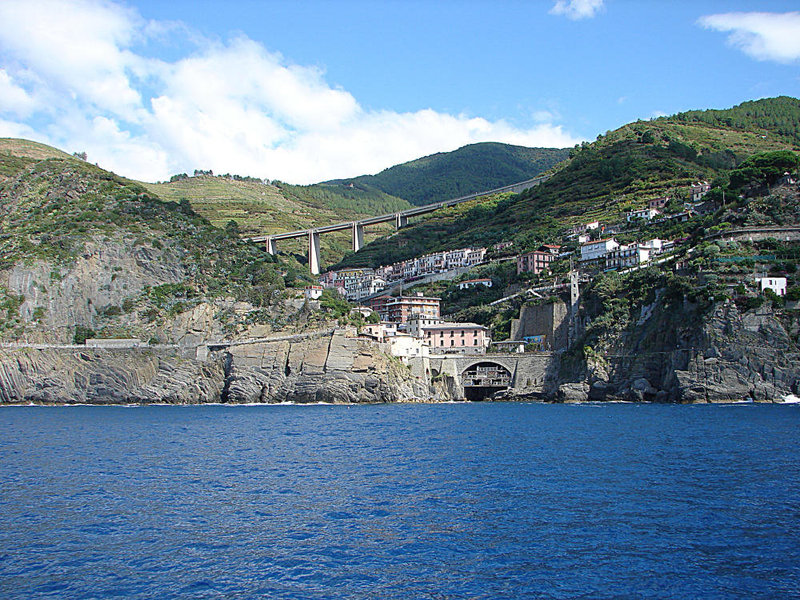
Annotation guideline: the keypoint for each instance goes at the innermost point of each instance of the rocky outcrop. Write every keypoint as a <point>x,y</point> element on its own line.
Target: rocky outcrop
<point>330,368</point>
<point>726,356</point>
<point>66,376</point>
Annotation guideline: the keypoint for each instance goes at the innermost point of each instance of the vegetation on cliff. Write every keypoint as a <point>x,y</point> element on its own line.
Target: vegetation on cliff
<point>57,212</point>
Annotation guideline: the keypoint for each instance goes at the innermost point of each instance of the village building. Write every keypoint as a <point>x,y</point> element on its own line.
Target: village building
<point>503,246</point>
<point>312,292</point>
<point>471,283</point>
<point>380,332</point>
<point>658,203</point>
<point>534,262</point>
<point>475,256</point>
<point>466,338</point>
<point>776,284</point>
<point>699,189</point>
<point>405,346</point>
<point>583,228</point>
<point>398,309</point>
<point>416,323</point>
<point>642,213</point>
<point>593,251</point>
<point>627,256</point>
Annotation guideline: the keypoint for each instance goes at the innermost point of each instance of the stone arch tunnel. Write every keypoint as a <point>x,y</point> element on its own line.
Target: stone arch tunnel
<point>482,380</point>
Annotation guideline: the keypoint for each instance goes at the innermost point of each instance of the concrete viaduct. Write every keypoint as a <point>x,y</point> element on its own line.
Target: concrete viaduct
<point>400,219</point>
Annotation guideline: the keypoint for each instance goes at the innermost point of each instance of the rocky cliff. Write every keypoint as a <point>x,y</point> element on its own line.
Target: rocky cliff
<point>674,355</point>
<point>329,368</point>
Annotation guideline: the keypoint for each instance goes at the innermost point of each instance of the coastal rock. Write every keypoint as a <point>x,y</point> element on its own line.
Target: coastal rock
<point>333,368</point>
<point>573,392</point>
<point>62,376</point>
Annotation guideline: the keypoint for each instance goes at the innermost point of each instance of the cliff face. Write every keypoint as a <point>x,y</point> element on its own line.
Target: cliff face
<point>106,377</point>
<point>331,368</point>
<point>672,355</point>
<point>106,274</point>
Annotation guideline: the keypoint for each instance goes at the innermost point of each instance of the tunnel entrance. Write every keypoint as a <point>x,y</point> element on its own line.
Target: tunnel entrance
<point>484,379</point>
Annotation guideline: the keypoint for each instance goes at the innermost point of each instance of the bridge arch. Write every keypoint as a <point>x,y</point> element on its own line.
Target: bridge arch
<point>483,379</point>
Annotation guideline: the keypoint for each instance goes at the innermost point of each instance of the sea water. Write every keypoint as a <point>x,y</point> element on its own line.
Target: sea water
<point>400,501</point>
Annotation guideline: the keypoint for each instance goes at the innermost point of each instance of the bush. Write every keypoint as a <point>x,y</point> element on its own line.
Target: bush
<point>82,333</point>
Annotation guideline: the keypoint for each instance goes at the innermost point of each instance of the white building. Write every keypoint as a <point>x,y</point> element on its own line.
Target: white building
<point>405,346</point>
<point>380,332</point>
<point>597,249</point>
<point>642,213</point>
<point>628,256</point>
<point>776,284</point>
<point>313,292</point>
<point>417,322</point>
<point>471,283</point>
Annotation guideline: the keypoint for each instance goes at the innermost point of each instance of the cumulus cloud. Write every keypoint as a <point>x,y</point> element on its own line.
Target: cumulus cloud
<point>13,98</point>
<point>72,76</point>
<point>764,36</point>
<point>577,9</point>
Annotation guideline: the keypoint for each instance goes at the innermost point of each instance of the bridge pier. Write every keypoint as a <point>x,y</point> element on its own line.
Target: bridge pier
<point>313,252</point>
<point>358,236</point>
<point>271,247</point>
<point>400,221</point>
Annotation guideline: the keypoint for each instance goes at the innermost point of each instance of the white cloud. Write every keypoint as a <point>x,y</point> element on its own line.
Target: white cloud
<point>228,106</point>
<point>14,99</point>
<point>11,129</point>
<point>764,36</point>
<point>577,9</point>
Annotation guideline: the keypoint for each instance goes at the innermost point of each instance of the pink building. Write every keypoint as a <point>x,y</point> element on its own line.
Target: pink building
<point>456,337</point>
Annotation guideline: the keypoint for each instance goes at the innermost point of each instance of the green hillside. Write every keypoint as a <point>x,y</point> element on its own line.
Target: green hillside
<point>604,179</point>
<point>473,168</point>
<point>68,222</point>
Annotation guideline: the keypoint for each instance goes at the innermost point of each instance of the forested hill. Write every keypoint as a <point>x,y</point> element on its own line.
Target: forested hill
<point>473,168</point>
<point>779,116</point>
<point>603,180</point>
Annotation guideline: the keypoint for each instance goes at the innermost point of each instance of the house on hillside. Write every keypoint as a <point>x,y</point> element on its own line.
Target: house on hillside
<point>699,189</point>
<point>642,213</point>
<point>776,284</point>
<point>627,256</point>
<point>658,203</point>
<point>398,309</point>
<point>597,250</point>
<point>312,292</point>
<point>471,283</point>
<point>534,262</point>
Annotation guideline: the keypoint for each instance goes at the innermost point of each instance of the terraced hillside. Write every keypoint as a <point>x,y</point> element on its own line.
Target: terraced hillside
<point>604,179</point>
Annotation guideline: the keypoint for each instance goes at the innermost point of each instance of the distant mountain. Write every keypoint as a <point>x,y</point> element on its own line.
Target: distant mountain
<point>473,168</point>
<point>602,180</point>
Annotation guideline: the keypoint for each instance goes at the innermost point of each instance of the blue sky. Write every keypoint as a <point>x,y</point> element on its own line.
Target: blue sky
<point>307,91</point>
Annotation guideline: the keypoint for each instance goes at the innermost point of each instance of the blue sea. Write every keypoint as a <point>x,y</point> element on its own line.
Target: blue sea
<point>400,501</point>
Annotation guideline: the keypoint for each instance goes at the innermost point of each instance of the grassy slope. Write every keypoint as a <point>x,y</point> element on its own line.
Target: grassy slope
<point>473,168</point>
<point>603,180</point>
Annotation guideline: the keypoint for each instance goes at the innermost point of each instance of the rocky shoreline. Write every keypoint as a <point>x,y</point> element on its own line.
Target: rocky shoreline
<point>733,357</point>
